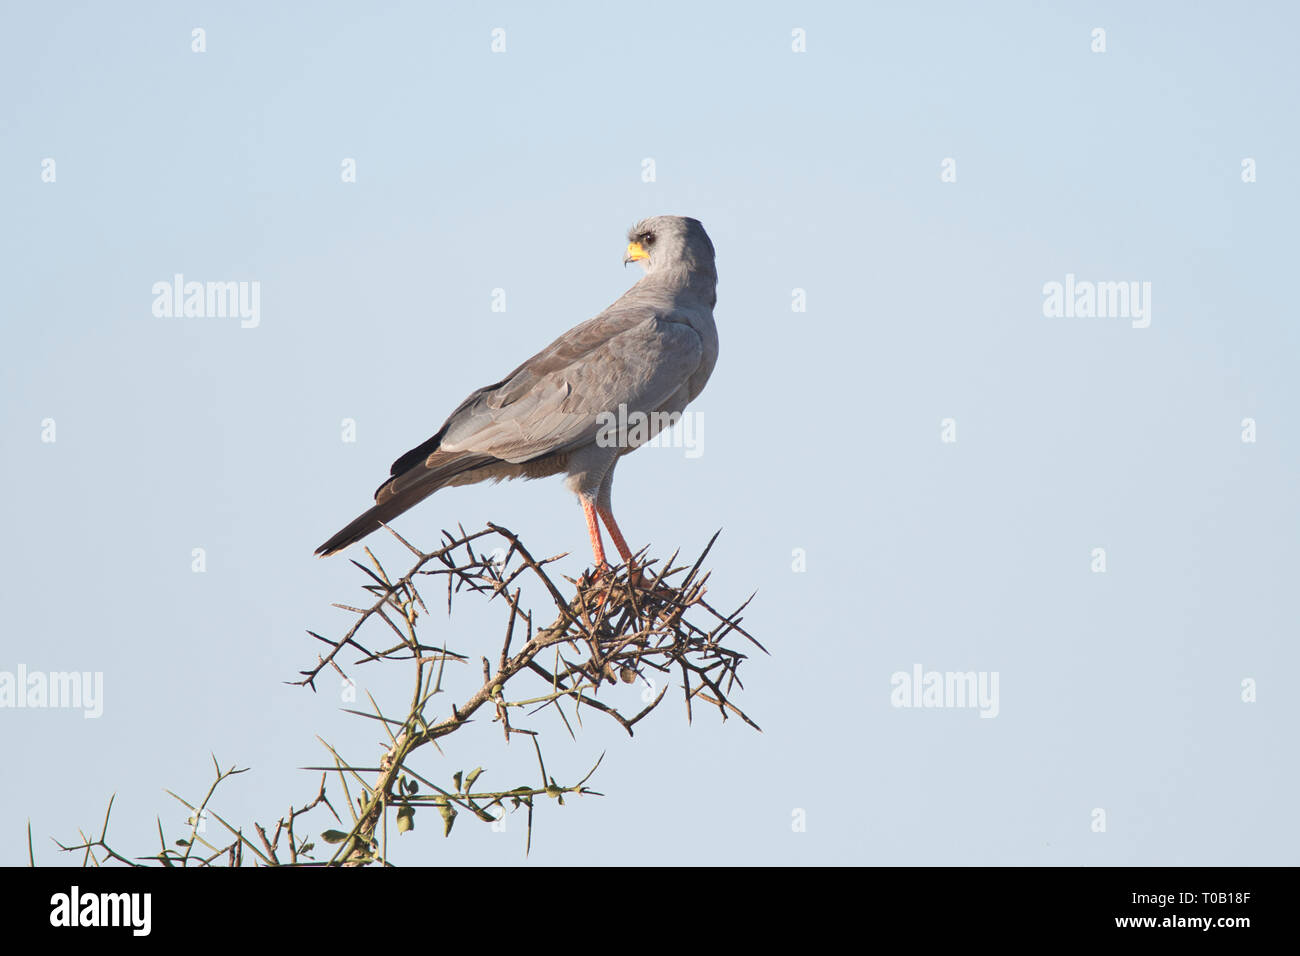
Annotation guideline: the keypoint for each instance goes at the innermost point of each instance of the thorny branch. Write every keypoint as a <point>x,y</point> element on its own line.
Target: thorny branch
<point>609,631</point>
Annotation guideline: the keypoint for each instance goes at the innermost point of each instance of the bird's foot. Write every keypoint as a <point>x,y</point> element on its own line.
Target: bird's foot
<point>637,579</point>
<point>644,582</point>
<point>640,580</point>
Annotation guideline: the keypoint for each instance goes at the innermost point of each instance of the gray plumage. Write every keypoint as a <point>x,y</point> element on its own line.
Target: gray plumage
<point>650,352</point>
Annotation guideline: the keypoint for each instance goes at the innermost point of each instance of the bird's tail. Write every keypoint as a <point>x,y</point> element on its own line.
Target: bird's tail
<point>400,492</point>
<point>367,522</point>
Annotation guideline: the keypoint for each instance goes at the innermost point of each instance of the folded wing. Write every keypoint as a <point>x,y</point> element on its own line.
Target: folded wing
<point>629,356</point>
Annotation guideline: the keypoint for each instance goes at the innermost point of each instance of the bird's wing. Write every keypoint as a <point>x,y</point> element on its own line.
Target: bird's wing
<point>553,406</point>
<point>551,402</point>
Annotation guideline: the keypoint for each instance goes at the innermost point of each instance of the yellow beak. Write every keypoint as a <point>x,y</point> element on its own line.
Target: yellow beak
<point>635,253</point>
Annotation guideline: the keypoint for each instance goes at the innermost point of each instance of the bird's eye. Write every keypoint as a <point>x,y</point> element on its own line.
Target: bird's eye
<point>647,238</point>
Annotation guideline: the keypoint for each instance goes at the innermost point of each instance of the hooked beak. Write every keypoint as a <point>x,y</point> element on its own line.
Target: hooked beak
<point>635,253</point>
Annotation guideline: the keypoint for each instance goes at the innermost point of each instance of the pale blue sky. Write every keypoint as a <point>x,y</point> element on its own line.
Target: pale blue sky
<point>818,171</point>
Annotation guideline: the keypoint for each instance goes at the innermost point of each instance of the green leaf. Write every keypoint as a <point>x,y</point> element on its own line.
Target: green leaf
<point>448,818</point>
<point>473,775</point>
<point>405,819</point>
<point>333,836</point>
<point>456,779</point>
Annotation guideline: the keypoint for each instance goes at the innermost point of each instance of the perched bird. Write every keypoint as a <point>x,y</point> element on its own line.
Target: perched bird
<point>644,358</point>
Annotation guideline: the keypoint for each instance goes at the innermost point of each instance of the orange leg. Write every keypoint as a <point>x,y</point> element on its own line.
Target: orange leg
<point>638,578</point>
<point>593,529</point>
<point>617,536</point>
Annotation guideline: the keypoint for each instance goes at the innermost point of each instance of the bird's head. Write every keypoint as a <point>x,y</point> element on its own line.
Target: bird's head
<point>669,242</point>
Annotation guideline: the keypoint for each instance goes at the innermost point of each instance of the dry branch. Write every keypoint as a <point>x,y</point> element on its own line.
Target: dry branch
<point>608,631</point>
